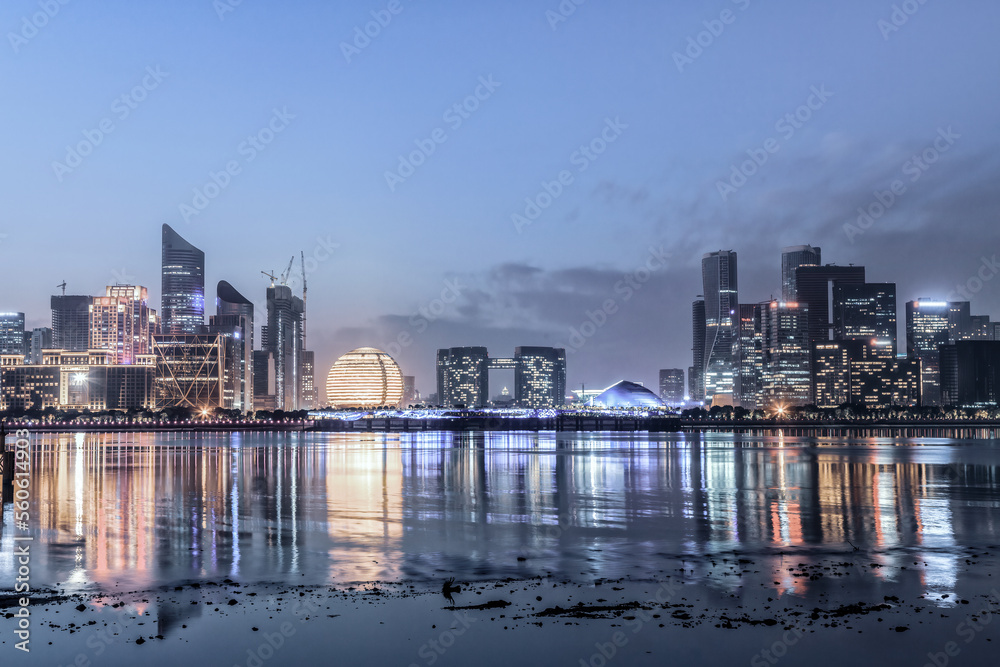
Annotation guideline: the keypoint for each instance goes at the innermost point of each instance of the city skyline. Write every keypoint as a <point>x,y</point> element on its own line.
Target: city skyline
<point>453,265</point>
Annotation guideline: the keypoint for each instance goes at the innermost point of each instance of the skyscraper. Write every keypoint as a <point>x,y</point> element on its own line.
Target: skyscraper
<point>463,376</point>
<point>792,258</point>
<point>787,377</point>
<point>866,312</point>
<point>814,288</point>
<point>71,322</point>
<point>749,363</point>
<point>12,333</point>
<point>696,374</point>
<point>122,323</point>
<point>234,313</point>
<point>672,385</point>
<point>719,278</point>
<point>283,337</point>
<point>182,292</point>
<point>928,327</point>
<point>539,377</point>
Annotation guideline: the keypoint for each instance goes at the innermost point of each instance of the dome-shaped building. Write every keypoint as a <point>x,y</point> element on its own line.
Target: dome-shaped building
<point>627,394</point>
<point>364,378</point>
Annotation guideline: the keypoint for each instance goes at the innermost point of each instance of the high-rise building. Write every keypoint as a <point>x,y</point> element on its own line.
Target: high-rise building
<point>71,322</point>
<point>122,323</point>
<point>672,386</point>
<point>979,328</point>
<point>814,288</point>
<point>785,354</point>
<point>929,325</point>
<point>970,373</point>
<point>749,362</point>
<point>866,312</point>
<point>831,372</point>
<point>190,371</point>
<point>792,258</point>
<point>994,331</point>
<point>959,320</point>
<point>234,314</point>
<point>182,293</point>
<point>307,399</point>
<point>12,333</point>
<point>283,337</point>
<point>878,382</point>
<point>41,339</point>
<point>539,377</point>
<point>696,374</point>
<point>719,278</point>
<point>463,377</point>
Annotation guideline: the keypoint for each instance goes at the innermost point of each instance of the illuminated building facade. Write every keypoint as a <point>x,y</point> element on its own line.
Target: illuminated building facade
<point>672,385</point>
<point>831,373</point>
<point>852,372</point>
<point>866,312</point>
<point>626,394</point>
<point>122,323</point>
<point>77,381</point>
<point>792,258</point>
<point>720,283</point>
<point>71,322</point>
<point>12,333</point>
<point>463,377</point>
<point>364,378</point>
<point>785,354</point>
<point>235,317</point>
<point>539,377</point>
<point>928,327</point>
<point>748,354</point>
<point>182,282</point>
<point>307,401</point>
<point>190,371</point>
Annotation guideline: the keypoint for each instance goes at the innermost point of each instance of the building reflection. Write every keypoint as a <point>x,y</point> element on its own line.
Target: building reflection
<point>137,511</point>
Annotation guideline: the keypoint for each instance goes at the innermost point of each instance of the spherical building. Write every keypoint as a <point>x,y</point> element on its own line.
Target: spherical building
<point>627,394</point>
<point>364,378</point>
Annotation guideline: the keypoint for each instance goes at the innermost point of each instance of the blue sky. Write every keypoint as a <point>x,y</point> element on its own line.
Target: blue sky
<point>321,182</point>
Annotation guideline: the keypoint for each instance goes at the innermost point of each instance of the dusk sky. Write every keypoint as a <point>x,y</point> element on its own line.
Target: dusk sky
<point>199,80</point>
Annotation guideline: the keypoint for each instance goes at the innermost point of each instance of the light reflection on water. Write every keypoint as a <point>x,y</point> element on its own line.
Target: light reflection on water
<point>136,511</point>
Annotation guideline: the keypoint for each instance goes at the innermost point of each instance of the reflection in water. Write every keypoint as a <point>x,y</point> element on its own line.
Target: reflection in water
<point>135,511</point>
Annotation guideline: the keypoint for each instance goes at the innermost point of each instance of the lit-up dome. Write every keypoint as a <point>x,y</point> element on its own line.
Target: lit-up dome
<point>364,378</point>
<point>627,394</point>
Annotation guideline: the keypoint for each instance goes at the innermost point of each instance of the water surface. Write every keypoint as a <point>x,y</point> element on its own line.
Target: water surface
<point>131,511</point>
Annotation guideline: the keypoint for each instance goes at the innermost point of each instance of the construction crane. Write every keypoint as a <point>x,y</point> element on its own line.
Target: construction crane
<point>63,286</point>
<point>284,276</point>
<point>270,274</point>
<point>304,292</point>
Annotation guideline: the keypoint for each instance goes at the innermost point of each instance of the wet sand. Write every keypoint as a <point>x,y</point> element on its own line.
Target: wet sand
<point>847,613</point>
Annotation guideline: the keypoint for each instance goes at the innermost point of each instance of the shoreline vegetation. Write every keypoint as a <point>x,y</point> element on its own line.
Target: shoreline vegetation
<point>807,418</point>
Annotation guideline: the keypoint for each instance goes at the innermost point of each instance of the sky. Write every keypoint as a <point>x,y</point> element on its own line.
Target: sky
<point>596,152</point>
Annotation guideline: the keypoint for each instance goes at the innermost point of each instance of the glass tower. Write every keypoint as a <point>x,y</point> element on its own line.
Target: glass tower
<point>182,292</point>
<point>719,278</point>
<point>792,258</point>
